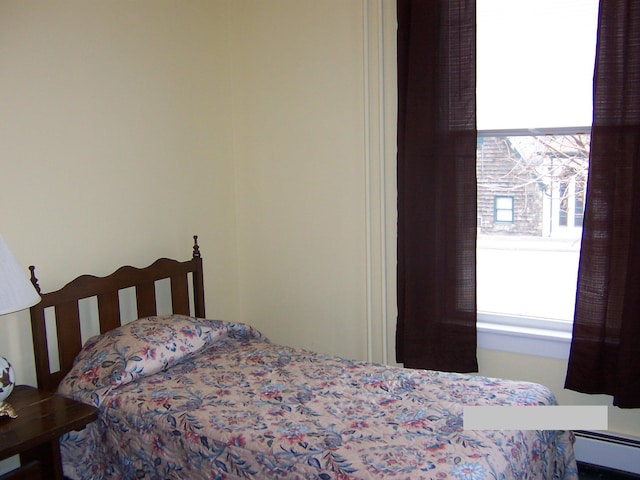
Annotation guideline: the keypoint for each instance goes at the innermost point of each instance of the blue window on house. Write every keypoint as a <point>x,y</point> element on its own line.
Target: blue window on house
<point>503,209</point>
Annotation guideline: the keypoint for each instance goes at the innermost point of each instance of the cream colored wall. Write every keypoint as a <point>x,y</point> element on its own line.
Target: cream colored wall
<point>299,143</point>
<point>115,143</point>
<point>120,137</point>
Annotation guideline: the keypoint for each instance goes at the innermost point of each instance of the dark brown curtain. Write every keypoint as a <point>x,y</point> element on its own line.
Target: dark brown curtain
<point>436,185</point>
<point>605,351</point>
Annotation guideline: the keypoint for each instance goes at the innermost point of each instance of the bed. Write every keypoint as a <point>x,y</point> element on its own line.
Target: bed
<point>181,396</point>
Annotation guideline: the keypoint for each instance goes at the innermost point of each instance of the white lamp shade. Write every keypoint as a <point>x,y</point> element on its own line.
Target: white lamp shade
<point>16,291</point>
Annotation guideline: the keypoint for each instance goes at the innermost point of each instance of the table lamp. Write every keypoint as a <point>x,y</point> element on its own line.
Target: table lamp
<point>16,293</point>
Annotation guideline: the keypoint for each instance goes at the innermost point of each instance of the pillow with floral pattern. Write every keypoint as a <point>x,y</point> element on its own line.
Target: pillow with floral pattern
<point>137,349</point>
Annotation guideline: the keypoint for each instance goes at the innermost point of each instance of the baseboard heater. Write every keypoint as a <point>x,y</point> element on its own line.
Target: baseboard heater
<point>614,452</point>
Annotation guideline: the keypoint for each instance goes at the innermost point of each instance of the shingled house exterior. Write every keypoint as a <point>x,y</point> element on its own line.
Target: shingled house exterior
<point>530,186</point>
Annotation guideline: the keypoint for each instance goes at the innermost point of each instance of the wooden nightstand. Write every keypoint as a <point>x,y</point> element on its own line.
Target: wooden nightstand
<point>42,418</point>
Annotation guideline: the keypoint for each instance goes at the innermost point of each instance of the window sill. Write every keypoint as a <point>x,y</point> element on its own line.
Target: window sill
<point>529,336</point>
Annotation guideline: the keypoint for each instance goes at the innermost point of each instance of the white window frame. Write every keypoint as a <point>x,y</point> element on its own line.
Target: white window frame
<point>526,335</point>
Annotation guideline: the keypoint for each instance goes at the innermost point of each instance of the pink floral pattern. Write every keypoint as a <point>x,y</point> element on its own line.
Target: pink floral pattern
<point>137,349</point>
<point>243,407</point>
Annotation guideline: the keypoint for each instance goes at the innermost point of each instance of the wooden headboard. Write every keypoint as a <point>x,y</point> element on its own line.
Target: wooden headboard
<point>65,303</point>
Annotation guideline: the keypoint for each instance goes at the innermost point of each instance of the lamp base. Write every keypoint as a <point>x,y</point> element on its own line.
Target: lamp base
<point>7,410</point>
<point>7,381</point>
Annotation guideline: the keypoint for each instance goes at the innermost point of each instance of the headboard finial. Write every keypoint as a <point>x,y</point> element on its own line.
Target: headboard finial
<point>196,248</point>
<point>34,280</point>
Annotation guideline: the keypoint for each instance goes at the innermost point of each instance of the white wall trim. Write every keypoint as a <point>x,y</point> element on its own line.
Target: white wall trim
<point>526,335</point>
<point>383,181</point>
<point>367,100</point>
<point>379,20</point>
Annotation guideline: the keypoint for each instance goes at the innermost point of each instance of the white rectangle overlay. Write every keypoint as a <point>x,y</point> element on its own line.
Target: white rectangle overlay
<point>563,417</point>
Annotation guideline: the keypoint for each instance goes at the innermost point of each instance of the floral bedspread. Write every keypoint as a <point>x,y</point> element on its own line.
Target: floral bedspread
<point>181,398</point>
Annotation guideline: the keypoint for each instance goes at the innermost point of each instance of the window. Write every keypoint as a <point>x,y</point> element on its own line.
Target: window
<point>503,209</point>
<point>535,63</point>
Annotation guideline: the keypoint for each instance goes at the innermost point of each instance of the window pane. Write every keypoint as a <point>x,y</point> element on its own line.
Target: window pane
<point>535,61</point>
<point>504,216</point>
<point>530,207</point>
<point>504,203</point>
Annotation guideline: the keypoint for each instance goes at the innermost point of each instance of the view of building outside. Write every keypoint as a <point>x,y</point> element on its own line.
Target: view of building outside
<point>531,192</point>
